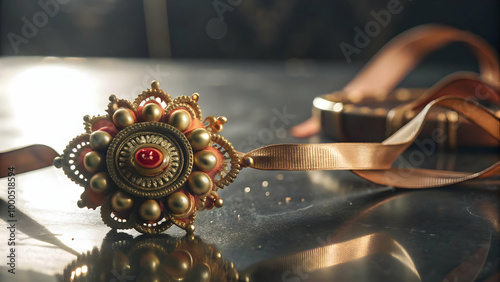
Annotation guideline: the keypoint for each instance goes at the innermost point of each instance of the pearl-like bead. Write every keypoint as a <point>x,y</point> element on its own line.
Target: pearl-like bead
<point>199,138</point>
<point>247,161</point>
<point>200,272</point>
<point>123,118</point>
<point>149,262</point>
<point>205,160</point>
<point>93,161</point>
<point>58,162</point>
<point>152,112</point>
<point>99,182</point>
<point>178,203</point>
<point>195,97</point>
<point>120,261</point>
<point>219,203</point>
<point>190,228</point>
<point>178,264</point>
<point>200,183</point>
<point>155,84</point>
<point>121,202</point>
<point>150,210</point>
<point>180,119</point>
<point>99,140</point>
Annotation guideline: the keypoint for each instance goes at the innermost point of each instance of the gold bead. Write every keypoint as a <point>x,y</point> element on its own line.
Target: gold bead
<point>247,161</point>
<point>99,140</point>
<point>219,203</point>
<point>93,161</point>
<point>199,138</point>
<point>150,210</point>
<point>149,262</point>
<point>58,162</point>
<point>121,202</point>
<point>123,118</point>
<point>178,264</point>
<point>155,84</point>
<point>178,203</point>
<point>217,255</point>
<point>195,97</point>
<point>200,272</point>
<point>205,160</point>
<point>80,204</point>
<point>120,261</point>
<point>200,183</point>
<point>100,182</point>
<point>190,228</point>
<point>152,112</point>
<point>222,120</point>
<point>180,119</point>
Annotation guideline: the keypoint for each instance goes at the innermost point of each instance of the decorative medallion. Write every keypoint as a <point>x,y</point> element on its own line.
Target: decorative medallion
<point>151,163</point>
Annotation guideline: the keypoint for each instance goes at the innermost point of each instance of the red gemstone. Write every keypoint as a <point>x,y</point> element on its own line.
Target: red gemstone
<point>149,157</point>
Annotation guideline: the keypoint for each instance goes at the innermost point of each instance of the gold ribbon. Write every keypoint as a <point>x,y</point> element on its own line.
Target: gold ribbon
<point>373,161</point>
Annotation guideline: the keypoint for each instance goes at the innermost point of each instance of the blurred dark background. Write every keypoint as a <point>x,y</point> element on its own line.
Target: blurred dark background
<point>228,29</point>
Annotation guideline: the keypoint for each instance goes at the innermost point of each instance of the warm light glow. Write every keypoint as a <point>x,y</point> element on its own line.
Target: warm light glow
<point>44,94</point>
<point>84,269</point>
<point>338,107</point>
<point>323,104</point>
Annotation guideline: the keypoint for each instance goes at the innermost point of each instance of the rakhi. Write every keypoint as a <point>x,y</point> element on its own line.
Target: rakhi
<point>155,162</point>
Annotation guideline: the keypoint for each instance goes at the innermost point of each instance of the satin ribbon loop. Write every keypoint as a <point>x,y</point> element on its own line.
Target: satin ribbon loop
<point>373,161</point>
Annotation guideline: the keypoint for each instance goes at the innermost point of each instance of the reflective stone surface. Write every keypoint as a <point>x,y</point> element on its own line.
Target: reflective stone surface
<point>274,226</point>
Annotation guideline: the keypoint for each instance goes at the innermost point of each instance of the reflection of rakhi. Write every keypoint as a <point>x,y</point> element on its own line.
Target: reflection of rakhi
<point>160,258</point>
<point>164,258</point>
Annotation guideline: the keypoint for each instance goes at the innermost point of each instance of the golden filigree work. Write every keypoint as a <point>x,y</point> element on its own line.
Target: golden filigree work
<point>151,163</point>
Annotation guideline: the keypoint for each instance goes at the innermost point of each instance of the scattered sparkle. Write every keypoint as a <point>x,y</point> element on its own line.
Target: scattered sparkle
<point>302,200</point>
<point>247,189</point>
<point>288,199</point>
<point>265,183</point>
<point>279,203</point>
<point>267,193</point>
<point>280,176</point>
